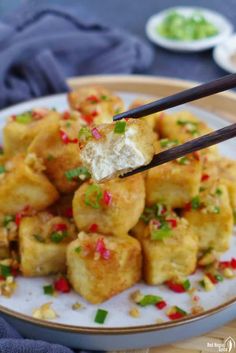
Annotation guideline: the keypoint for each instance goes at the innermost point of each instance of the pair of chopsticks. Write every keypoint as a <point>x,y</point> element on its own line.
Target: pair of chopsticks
<point>189,95</point>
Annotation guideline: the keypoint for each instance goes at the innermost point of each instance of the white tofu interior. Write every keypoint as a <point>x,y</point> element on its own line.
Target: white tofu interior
<point>116,154</point>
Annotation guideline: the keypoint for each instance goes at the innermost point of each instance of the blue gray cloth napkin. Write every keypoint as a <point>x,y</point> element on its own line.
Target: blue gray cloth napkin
<point>42,44</point>
<point>12,342</point>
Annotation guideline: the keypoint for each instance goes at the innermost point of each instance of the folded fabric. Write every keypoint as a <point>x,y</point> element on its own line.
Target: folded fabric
<point>42,44</point>
<point>12,342</point>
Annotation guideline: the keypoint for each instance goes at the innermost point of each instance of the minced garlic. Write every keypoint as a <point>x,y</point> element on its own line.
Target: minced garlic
<point>136,296</point>
<point>8,287</point>
<point>77,306</point>
<point>134,312</point>
<point>228,273</point>
<point>45,312</point>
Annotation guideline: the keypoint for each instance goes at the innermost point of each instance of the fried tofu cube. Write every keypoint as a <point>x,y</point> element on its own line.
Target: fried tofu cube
<point>169,247</point>
<point>151,119</point>
<point>21,185</point>
<point>227,173</point>
<point>181,125</point>
<point>4,244</point>
<point>113,207</point>
<point>174,183</point>
<point>211,216</point>
<point>118,148</point>
<point>100,267</point>
<point>185,126</point>
<point>61,153</point>
<point>20,130</point>
<point>43,240</point>
<point>96,104</point>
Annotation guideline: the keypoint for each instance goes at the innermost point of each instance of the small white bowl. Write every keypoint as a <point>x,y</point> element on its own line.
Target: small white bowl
<point>224,27</point>
<point>223,52</point>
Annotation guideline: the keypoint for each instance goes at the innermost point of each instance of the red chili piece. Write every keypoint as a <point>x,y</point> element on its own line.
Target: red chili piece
<point>196,155</point>
<point>65,138</point>
<point>205,177</point>
<point>175,287</point>
<point>66,115</point>
<point>69,212</point>
<point>93,228</point>
<point>233,263</point>
<point>62,285</point>
<point>188,206</point>
<point>175,316</point>
<point>173,222</point>
<point>162,304</point>
<point>60,227</point>
<point>107,198</point>
<point>212,278</point>
<point>224,264</point>
<point>89,118</point>
<point>96,134</point>
<point>93,99</point>
<point>101,248</point>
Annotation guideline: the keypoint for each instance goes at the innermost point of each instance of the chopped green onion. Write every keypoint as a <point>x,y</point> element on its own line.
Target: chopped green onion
<point>183,160</point>
<point>24,118</point>
<point>219,277</point>
<point>162,233</point>
<point>149,300</point>
<point>68,124</point>
<point>168,143</point>
<point>93,195</point>
<point>85,133</point>
<point>195,202</point>
<point>186,27</point>
<point>2,169</point>
<point>7,220</point>
<point>39,238</point>
<point>120,127</point>
<point>5,270</point>
<point>216,209</point>
<point>202,189</point>
<point>117,111</point>
<point>50,157</point>
<point>186,284</point>
<point>78,249</point>
<point>191,126</point>
<point>80,172</point>
<point>185,122</point>
<point>104,98</point>
<point>100,316</point>
<point>218,192</point>
<point>202,283</point>
<point>57,237</point>
<point>48,289</point>
<point>179,310</point>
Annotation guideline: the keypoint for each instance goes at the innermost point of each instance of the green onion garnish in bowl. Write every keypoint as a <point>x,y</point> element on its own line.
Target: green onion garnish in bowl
<point>177,26</point>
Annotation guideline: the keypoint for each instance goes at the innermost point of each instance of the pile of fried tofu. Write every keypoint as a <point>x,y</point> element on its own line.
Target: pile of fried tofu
<point>105,237</point>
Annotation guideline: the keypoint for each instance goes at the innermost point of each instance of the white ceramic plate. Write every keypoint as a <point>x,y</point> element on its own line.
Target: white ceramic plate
<point>120,331</point>
<point>223,52</point>
<point>224,26</point>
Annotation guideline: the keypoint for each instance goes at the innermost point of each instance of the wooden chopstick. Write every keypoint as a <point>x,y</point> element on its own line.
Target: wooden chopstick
<point>204,90</point>
<point>197,144</point>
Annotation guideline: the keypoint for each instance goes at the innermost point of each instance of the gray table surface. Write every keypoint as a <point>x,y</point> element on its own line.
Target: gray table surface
<point>131,15</point>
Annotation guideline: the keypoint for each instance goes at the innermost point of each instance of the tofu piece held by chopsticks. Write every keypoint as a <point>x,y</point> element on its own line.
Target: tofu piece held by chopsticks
<point>111,150</point>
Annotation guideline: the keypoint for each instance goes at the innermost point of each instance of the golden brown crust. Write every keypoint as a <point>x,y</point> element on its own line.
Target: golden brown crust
<point>120,215</point>
<point>98,279</point>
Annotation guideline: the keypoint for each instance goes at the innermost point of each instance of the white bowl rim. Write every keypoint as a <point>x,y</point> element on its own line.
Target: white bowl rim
<point>197,45</point>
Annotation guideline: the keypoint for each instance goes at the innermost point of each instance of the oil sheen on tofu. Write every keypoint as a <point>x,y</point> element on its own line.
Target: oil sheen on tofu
<point>115,153</point>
